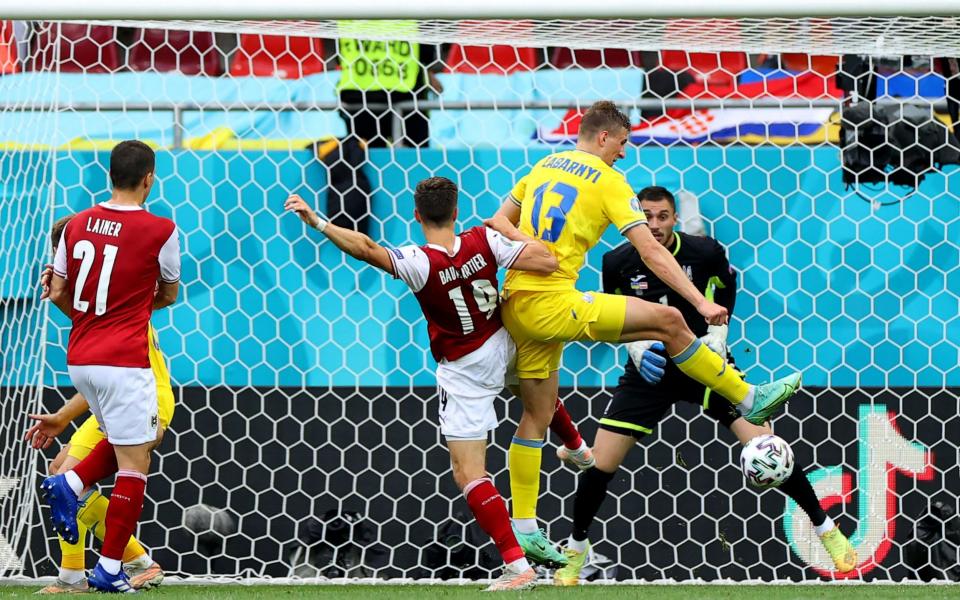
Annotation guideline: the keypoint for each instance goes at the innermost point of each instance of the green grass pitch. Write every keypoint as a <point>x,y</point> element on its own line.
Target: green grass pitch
<point>544,592</point>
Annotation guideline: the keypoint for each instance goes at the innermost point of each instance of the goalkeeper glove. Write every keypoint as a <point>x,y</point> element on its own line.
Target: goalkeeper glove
<point>716,339</point>
<point>648,360</point>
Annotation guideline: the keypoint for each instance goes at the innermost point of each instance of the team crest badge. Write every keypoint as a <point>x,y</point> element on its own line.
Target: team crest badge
<point>153,422</point>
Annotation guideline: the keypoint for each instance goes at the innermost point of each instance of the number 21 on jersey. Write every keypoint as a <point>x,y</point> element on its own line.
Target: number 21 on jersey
<point>85,251</point>
<point>561,200</point>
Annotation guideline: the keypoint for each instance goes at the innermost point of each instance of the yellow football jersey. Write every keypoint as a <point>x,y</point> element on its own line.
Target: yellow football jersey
<point>567,201</point>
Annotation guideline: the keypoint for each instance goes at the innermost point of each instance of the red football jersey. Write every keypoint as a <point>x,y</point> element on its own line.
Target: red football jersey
<point>458,292</point>
<point>112,258</point>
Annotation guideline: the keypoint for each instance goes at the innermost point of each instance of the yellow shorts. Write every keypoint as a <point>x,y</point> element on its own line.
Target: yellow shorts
<point>541,322</point>
<point>89,434</point>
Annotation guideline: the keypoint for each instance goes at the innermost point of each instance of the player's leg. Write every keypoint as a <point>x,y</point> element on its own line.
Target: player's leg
<point>652,321</point>
<point>634,410</point>
<point>71,577</point>
<point>797,486</point>
<point>468,388</point>
<point>468,460</point>
<point>126,407</point>
<point>574,449</point>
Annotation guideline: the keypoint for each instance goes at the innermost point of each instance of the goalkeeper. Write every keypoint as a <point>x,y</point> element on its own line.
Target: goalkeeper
<point>651,383</point>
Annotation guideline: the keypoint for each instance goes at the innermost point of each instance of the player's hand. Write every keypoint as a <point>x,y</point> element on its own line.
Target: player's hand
<point>649,359</point>
<point>500,224</point>
<point>713,313</point>
<point>298,205</point>
<point>716,339</point>
<point>46,275</point>
<point>41,434</point>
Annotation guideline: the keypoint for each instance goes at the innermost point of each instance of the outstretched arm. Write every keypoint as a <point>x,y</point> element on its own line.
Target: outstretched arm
<point>48,426</point>
<point>665,266</point>
<point>354,243</point>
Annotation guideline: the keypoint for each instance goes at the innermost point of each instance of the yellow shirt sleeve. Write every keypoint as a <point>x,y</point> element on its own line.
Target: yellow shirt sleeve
<point>621,206</point>
<point>519,190</point>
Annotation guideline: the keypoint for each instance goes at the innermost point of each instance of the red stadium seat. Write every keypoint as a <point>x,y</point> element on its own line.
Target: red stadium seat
<point>76,48</point>
<point>189,52</point>
<point>277,56</point>
<point>714,68</point>
<point>497,59</point>
<point>9,63</point>
<point>614,58</point>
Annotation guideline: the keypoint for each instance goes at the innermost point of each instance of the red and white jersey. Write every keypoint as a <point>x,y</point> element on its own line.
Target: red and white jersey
<point>112,257</point>
<point>458,292</point>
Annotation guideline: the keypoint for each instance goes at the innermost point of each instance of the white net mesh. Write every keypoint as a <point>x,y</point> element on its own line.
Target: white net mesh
<point>305,440</point>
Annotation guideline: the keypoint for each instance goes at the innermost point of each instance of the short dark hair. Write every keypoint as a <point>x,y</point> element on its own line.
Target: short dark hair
<point>603,116</point>
<point>656,193</point>
<point>130,162</point>
<point>56,232</point>
<point>436,200</point>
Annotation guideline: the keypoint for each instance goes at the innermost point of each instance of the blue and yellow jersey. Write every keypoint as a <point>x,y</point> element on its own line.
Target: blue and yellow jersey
<point>567,201</point>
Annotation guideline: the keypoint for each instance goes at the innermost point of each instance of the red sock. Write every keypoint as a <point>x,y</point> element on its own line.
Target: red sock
<point>491,513</point>
<point>563,426</point>
<point>123,512</point>
<point>99,464</point>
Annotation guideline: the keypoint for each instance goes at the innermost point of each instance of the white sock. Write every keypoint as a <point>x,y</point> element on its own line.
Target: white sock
<point>578,545</point>
<point>71,575</point>
<point>583,445</point>
<point>824,527</point>
<point>73,480</point>
<point>745,406</point>
<point>141,562</point>
<point>110,565</point>
<point>525,525</point>
<point>518,566</point>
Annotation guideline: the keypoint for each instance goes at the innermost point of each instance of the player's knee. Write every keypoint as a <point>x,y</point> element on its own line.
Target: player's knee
<point>671,321</point>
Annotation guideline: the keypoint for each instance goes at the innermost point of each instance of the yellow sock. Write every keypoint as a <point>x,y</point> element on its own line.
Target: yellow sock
<point>707,367</point>
<point>72,556</point>
<point>93,514</point>
<point>525,458</point>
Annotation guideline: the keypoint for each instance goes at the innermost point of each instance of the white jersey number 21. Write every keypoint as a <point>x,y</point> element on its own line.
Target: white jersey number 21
<point>85,251</point>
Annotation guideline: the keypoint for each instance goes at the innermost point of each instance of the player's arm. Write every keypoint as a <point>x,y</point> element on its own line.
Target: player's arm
<point>354,243</point>
<point>533,255</point>
<point>510,209</point>
<point>665,267</point>
<point>724,282</point>
<point>59,292</point>
<point>48,426</point>
<point>168,287</point>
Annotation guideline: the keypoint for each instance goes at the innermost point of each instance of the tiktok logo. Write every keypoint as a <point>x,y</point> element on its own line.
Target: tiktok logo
<point>883,452</point>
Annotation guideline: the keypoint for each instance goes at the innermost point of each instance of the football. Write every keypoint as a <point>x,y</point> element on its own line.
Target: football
<point>766,461</point>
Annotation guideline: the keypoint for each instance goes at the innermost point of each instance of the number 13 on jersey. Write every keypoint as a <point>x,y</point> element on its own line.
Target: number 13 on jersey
<point>560,198</point>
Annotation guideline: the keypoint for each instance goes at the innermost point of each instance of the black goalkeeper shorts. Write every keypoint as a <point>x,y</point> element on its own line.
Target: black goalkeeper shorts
<point>637,406</point>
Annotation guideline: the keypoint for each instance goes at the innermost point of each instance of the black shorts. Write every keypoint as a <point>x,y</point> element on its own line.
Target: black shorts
<point>637,406</point>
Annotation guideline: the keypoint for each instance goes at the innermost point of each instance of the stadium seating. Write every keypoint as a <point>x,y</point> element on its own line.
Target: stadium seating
<point>76,48</point>
<point>9,63</point>
<point>277,56</point>
<point>188,52</point>
<point>611,58</point>
<point>498,60</point>
<point>720,69</point>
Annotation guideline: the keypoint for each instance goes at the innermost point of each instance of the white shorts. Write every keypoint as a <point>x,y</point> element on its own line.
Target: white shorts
<point>123,399</point>
<point>469,385</point>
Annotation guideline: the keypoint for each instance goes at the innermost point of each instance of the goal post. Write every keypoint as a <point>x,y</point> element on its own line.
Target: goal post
<point>305,444</point>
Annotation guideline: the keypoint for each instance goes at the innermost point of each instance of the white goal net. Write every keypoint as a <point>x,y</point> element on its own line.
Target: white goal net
<point>304,442</point>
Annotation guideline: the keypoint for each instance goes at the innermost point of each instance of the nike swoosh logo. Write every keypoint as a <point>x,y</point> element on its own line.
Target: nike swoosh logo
<point>723,370</point>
